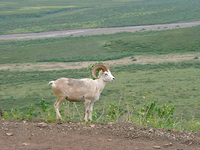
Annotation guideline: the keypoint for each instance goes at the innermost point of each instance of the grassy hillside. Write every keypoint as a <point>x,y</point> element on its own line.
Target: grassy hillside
<point>171,83</point>
<point>167,83</point>
<point>44,15</point>
<point>100,47</point>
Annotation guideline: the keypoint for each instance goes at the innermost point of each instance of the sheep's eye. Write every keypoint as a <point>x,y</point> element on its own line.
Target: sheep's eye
<point>106,74</point>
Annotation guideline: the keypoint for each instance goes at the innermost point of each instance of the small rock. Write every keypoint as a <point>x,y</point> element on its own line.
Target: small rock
<point>92,125</point>
<point>26,144</point>
<point>152,130</point>
<point>9,134</point>
<point>156,147</point>
<point>132,129</point>
<point>42,125</point>
<point>167,145</point>
<point>190,143</point>
<point>109,140</point>
<point>135,137</point>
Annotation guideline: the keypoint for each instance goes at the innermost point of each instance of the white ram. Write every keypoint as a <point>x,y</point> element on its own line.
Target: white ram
<point>81,90</point>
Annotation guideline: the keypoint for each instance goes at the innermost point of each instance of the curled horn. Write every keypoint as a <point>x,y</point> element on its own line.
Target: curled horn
<point>108,68</point>
<point>102,67</point>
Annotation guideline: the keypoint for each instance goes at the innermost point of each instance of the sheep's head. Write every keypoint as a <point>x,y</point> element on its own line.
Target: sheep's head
<point>105,73</point>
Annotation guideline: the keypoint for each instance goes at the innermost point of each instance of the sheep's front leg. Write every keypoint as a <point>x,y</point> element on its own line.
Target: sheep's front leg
<point>87,107</point>
<point>90,110</point>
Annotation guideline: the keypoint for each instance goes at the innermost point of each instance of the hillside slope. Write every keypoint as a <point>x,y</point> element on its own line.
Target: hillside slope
<point>36,134</point>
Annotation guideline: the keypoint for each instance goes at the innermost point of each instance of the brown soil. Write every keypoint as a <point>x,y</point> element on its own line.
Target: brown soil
<point>36,134</point>
<point>154,59</point>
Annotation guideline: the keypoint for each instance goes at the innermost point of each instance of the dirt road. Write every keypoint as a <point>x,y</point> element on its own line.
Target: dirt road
<point>95,31</point>
<point>47,66</point>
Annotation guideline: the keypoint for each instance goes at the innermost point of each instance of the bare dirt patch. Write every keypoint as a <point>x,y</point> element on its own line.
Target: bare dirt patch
<point>141,59</point>
<point>36,134</point>
<point>166,58</point>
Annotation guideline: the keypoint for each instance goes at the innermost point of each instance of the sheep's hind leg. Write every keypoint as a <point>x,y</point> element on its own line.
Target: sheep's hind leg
<point>87,106</point>
<point>56,107</point>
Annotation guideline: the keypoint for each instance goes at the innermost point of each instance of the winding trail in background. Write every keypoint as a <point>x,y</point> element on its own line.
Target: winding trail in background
<point>97,31</point>
<point>141,59</point>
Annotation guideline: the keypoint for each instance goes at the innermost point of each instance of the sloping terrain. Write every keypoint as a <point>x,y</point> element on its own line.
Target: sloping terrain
<point>35,134</point>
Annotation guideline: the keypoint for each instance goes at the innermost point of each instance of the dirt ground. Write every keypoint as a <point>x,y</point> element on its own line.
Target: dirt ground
<point>38,135</point>
<point>140,59</point>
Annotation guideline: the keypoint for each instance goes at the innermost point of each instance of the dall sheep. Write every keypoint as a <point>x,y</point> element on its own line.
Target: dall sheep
<point>82,90</point>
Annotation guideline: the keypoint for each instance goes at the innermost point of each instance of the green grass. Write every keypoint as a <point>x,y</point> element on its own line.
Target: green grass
<point>167,83</point>
<point>45,15</point>
<point>170,83</point>
<point>173,83</point>
<point>100,47</point>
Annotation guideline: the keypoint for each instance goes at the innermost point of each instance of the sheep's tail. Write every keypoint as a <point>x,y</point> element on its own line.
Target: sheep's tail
<point>51,82</point>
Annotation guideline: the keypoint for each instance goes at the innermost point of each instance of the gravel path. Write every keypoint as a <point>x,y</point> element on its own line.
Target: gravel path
<point>95,31</point>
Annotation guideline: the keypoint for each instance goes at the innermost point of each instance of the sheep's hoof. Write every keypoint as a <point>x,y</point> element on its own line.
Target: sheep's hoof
<point>58,118</point>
